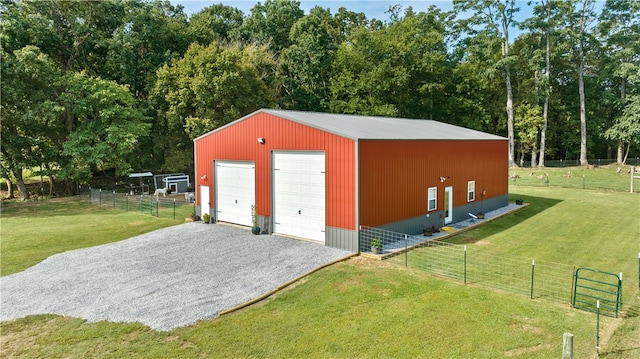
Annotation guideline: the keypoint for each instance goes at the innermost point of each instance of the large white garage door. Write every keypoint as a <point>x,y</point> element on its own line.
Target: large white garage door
<point>299,194</point>
<point>235,191</point>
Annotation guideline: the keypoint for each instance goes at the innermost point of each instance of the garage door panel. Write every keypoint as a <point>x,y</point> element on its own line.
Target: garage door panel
<point>299,194</point>
<point>235,189</point>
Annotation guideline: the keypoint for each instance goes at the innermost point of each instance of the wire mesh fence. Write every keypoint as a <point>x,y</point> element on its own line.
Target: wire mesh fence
<point>473,265</point>
<point>634,161</point>
<point>174,207</point>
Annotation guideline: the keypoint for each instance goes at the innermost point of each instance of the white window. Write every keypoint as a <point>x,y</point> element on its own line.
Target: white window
<point>471,191</point>
<point>431,198</point>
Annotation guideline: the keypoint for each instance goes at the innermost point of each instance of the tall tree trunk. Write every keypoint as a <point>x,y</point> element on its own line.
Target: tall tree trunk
<point>534,154</point>
<point>583,111</point>
<point>586,7</point>
<point>510,120</point>
<point>9,188</point>
<point>17,173</point>
<point>626,154</point>
<point>619,158</point>
<point>619,154</point>
<point>583,123</point>
<point>510,129</point>
<point>547,74</point>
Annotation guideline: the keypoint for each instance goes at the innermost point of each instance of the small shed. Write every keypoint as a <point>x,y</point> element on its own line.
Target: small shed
<point>144,187</point>
<point>176,182</point>
<point>320,176</point>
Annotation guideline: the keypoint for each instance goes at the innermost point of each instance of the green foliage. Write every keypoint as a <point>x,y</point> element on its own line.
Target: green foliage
<point>208,88</point>
<point>627,126</point>
<point>430,64</point>
<point>215,23</point>
<point>106,126</point>
<point>528,123</point>
<point>270,23</point>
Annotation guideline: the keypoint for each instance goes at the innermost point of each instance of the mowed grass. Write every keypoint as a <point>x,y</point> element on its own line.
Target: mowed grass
<point>593,177</point>
<point>349,310</point>
<point>377,309</point>
<point>32,231</point>
<point>581,228</point>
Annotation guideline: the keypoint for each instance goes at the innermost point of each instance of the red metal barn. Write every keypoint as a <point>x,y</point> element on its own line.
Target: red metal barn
<point>319,176</point>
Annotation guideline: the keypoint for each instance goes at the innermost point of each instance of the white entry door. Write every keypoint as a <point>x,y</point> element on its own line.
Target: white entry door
<point>235,189</point>
<point>299,194</point>
<point>448,205</point>
<point>205,204</point>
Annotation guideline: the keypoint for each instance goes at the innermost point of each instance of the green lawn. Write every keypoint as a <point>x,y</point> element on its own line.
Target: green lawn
<point>599,177</point>
<point>376,309</point>
<point>33,231</point>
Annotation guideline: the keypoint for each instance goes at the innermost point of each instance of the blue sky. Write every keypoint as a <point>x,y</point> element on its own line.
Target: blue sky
<point>371,8</point>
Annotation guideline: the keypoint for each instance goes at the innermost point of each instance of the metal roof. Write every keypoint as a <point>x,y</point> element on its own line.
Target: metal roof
<point>375,128</point>
<point>382,128</point>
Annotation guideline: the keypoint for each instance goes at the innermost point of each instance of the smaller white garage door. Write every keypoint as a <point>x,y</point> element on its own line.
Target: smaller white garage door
<point>235,184</point>
<point>299,194</point>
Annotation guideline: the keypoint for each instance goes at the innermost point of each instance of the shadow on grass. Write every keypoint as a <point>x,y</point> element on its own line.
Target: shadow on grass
<point>535,205</point>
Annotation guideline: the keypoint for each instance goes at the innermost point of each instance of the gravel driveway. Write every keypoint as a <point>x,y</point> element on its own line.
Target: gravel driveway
<point>165,279</point>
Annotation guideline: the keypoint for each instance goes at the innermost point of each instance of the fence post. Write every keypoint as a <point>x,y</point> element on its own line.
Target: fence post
<point>406,251</point>
<point>90,199</point>
<point>619,293</point>
<point>633,171</point>
<point>174,208</point>
<point>533,267</point>
<point>465,264</point>
<point>598,326</point>
<point>157,207</point>
<point>583,180</point>
<point>567,346</point>
<point>141,201</point>
<point>114,199</point>
<point>100,197</point>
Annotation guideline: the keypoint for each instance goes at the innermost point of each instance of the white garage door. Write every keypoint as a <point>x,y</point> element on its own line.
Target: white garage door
<point>235,191</point>
<point>299,194</point>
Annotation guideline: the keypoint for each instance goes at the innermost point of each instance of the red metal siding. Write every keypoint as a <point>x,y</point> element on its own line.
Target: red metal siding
<point>239,142</point>
<point>395,175</point>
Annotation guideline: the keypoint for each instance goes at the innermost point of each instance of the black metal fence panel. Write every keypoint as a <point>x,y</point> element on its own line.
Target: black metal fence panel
<point>173,206</point>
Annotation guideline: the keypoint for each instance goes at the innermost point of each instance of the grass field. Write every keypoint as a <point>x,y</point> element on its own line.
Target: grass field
<point>365,308</point>
<point>599,177</point>
<point>33,231</point>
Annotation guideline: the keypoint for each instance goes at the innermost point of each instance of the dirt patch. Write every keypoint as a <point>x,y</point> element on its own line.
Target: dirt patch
<point>477,241</point>
<point>136,223</point>
<point>520,351</point>
<point>350,283</point>
<point>365,262</point>
<point>524,327</point>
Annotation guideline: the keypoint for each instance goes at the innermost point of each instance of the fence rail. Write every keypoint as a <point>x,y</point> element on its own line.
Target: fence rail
<point>165,207</point>
<point>474,265</point>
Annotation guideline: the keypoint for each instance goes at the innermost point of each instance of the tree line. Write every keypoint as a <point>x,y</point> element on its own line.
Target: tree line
<point>122,86</point>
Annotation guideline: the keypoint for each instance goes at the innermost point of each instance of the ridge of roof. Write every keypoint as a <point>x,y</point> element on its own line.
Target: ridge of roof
<point>359,127</point>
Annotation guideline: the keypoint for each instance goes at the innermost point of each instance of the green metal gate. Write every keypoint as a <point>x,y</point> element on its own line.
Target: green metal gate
<point>592,286</point>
